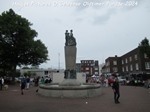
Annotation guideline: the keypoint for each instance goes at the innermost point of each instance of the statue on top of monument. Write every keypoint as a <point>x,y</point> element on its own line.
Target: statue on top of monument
<point>70,40</point>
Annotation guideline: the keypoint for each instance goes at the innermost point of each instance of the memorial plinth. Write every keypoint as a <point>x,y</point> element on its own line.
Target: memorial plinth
<point>70,72</point>
<point>70,57</point>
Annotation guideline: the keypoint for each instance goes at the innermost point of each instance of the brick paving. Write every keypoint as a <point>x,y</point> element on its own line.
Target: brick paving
<point>132,100</point>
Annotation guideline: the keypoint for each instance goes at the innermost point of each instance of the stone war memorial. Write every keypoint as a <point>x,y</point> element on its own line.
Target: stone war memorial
<point>70,60</point>
<point>70,87</point>
<point>70,55</point>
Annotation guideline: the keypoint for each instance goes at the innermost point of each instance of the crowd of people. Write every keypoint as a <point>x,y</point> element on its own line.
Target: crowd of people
<point>42,80</point>
<point>26,82</point>
<point>108,81</point>
<point>103,81</point>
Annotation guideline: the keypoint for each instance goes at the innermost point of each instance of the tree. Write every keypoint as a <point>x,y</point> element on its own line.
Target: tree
<point>25,67</point>
<point>30,74</point>
<point>144,47</point>
<point>17,44</point>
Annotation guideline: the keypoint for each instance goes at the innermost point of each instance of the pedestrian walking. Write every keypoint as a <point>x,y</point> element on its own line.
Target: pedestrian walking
<point>2,82</point>
<point>23,85</point>
<point>28,82</point>
<point>37,81</point>
<point>116,91</point>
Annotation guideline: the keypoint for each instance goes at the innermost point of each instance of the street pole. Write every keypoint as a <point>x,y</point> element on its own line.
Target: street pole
<point>58,61</point>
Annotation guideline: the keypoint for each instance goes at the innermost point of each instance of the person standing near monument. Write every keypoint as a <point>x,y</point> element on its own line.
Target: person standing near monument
<point>116,91</point>
<point>28,82</point>
<point>42,80</point>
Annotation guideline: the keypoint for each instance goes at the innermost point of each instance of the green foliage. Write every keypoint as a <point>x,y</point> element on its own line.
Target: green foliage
<point>17,44</point>
<point>25,74</point>
<point>144,47</point>
<point>18,73</point>
<point>33,74</point>
<point>30,74</point>
<point>25,67</point>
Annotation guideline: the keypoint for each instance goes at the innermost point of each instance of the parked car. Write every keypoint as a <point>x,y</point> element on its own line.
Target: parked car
<point>122,80</point>
<point>147,83</point>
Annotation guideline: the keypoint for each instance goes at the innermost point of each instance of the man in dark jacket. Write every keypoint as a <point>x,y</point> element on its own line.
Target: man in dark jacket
<point>115,88</point>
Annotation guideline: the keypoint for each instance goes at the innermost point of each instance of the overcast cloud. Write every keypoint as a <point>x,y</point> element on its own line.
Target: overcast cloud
<point>101,30</point>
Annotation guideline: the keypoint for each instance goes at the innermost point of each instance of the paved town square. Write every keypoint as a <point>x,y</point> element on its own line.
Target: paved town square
<point>133,99</point>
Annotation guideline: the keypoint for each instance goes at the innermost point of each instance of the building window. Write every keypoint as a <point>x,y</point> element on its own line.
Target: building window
<point>131,68</point>
<point>122,69</point>
<point>122,62</point>
<point>87,72</point>
<point>127,68</point>
<point>114,62</point>
<point>130,58</point>
<point>126,60</point>
<point>145,55</point>
<point>45,72</point>
<point>92,64</point>
<point>147,65</point>
<point>137,66</point>
<point>135,56</point>
<point>107,63</point>
<point>96,73</point>
<point>108,70</point>
<point>96,68</point>
<point>115,69</point>
<point>87,68</point>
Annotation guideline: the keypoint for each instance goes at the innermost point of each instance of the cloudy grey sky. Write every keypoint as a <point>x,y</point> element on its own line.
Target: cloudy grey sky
<point>102,28</point>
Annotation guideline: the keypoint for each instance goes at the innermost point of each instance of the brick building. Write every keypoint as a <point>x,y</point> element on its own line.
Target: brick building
<point>130,63</point>
<point>112,65</point>
<point>90,67</point>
